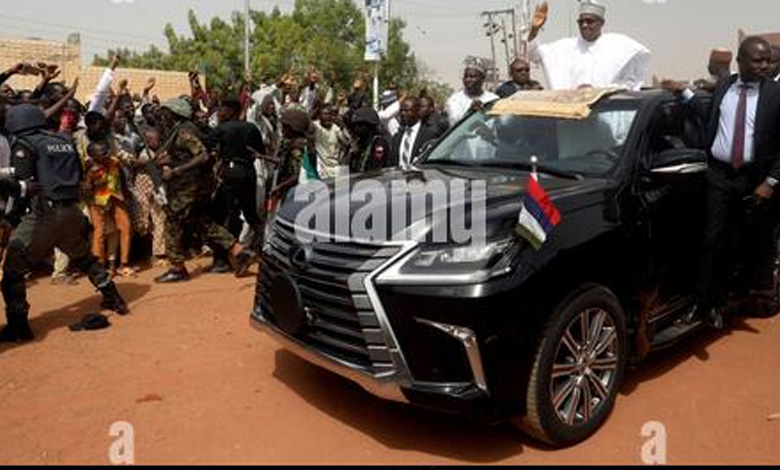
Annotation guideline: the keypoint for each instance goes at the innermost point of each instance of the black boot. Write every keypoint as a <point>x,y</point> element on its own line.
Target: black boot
<point>221,265</point>
<point>16,332</point>
<point>16,309</point>
<point>173,275</point>
<point>712,317</point>
<point>243,262</point>
<point>691,317</point>
<point>715,318</point>
<point>113,301</point>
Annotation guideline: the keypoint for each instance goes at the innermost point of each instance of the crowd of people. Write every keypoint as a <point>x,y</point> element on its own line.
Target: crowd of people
<point>159,181</point>
<point>167,178</point>
<point>162,182</point>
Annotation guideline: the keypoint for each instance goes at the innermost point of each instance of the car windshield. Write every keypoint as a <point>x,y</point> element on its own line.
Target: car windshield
<point>588,147</point>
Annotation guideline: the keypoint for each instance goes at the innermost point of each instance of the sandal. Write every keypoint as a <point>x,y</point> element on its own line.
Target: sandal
<point>127,271</point>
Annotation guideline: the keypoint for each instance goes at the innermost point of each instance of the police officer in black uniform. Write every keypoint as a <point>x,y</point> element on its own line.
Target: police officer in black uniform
<point>240,143</point>
<point>48,220</point>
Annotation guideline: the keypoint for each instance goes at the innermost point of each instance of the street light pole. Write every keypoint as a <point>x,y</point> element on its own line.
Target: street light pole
<point>246,38</point>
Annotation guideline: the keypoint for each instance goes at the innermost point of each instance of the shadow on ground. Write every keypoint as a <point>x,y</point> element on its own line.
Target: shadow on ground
<point>63,317</point>
<point>395,425</point>
<point>404,427</point>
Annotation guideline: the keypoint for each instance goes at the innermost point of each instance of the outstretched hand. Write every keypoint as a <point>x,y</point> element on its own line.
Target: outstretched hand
<point>539,20</point>
<point>150,85</point>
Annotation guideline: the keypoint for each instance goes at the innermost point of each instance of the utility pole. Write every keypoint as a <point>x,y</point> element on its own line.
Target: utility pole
<point>490,25</point>
<point>516,41</point>
<point>493,27</point>
<point>524,21</point>
<point>246,39</point>
<point>505,40</point>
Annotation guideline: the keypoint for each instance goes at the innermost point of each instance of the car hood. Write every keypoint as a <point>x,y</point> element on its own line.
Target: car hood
<point>395,205</point>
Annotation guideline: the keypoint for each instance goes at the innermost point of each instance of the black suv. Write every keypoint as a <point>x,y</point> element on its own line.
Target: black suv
<point>499,330</point>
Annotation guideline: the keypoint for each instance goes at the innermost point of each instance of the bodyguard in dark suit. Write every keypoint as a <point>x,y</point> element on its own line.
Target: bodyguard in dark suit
<point>435,121</point>
<point>743,140</point>
<point>407,144</point>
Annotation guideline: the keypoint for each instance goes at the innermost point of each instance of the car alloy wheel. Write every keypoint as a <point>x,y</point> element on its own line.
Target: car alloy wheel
<point>578,368</point>
<point>585,367</point>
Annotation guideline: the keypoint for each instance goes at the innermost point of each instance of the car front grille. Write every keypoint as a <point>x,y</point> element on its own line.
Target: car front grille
<point>341,321</point>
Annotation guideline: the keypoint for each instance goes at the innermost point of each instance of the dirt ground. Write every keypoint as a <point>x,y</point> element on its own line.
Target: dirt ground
<point>200,386</point>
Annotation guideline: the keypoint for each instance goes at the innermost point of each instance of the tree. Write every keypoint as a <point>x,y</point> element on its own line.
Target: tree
<point>399,65</point>
<point>326,34</point>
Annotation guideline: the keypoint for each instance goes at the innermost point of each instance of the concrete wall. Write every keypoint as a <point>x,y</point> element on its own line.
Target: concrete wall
<point>68,56</point>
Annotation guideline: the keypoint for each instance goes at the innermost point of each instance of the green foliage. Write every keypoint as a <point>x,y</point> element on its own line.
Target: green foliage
<point>326,34</point>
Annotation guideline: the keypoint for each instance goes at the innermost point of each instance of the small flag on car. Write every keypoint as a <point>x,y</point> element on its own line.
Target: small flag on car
<point>538,215</point>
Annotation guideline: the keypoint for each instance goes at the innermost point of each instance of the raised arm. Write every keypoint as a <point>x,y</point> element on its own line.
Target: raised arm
<point>104,86</point>
<point>57,107</point>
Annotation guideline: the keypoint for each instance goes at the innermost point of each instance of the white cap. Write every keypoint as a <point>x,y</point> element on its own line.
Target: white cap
<point>591,7</point>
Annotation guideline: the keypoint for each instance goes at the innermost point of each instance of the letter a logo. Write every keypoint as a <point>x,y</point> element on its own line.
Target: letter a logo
<point>122,450</point>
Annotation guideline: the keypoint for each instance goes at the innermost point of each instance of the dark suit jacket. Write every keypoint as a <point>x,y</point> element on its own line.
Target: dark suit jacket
<point>767,128</point>
<point>425,135</point>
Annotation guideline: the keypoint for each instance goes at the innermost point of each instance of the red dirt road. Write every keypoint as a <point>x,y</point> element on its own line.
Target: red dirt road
<point>200,386</point>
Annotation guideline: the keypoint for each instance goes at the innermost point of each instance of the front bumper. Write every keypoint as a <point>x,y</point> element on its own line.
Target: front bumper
<point>463,399</point>
<point>387,387</point>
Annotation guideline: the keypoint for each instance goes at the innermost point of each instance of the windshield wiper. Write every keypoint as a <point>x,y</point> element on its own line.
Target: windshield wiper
<point>523,166</point>
<point>449,163</point>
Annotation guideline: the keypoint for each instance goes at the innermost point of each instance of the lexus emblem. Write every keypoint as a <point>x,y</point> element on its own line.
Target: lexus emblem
<point>301,257</point>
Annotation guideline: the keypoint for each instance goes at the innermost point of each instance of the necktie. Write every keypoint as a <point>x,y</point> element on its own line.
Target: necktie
<point>738,147</point>
<point>406,155</point>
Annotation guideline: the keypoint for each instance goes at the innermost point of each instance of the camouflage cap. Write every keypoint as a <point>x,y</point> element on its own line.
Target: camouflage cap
<point>178,107</point>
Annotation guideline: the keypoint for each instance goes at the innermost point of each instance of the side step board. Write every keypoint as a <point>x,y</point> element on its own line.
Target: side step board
<point>673,334</point>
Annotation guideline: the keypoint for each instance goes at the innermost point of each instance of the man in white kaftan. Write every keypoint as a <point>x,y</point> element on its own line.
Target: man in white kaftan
<point>593,59</point>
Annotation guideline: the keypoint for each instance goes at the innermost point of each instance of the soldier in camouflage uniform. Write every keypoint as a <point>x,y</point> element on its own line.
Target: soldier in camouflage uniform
<point>182,162</point>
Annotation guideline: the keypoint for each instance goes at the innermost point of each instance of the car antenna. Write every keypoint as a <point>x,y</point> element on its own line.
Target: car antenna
<point>534,170</point>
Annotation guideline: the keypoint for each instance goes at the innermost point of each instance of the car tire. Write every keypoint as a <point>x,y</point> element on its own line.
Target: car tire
<point>555,402</point>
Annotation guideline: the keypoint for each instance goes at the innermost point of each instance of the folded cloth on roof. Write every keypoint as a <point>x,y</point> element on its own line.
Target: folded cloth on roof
<point>567,104</point>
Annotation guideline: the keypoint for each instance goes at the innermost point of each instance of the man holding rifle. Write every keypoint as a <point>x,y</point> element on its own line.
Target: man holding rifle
<point>181,161</point>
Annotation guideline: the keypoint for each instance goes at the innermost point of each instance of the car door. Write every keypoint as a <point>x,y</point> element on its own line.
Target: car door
<point>672,205</point>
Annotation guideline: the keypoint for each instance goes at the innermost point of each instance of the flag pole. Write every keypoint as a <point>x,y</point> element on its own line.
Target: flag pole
<point>534,168</point>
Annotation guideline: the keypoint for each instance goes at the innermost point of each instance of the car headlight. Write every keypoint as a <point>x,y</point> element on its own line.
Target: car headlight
<point>431,264</point>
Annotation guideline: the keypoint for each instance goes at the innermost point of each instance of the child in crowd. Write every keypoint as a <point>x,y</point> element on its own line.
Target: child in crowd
<point>106,201</point>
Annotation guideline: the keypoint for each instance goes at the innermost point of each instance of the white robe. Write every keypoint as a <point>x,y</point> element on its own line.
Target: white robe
<point>460,103</point>
<point>613,59</point>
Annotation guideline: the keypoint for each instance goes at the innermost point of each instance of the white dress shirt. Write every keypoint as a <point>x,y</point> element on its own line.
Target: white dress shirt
<point>409,138</point>
<point>721,148</point>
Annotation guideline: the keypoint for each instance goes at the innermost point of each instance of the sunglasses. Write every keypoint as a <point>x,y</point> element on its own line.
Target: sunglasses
<point>587,21</point>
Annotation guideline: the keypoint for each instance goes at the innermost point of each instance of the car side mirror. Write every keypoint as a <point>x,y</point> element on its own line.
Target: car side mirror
<point>679,162</point>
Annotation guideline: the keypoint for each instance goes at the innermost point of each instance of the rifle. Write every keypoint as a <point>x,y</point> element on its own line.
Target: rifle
<point>160,194</point>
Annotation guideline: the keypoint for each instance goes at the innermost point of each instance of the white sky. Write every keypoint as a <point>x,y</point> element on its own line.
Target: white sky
<point>441,32</point>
